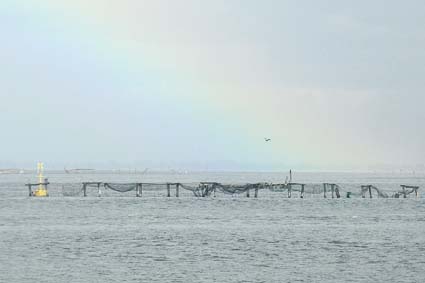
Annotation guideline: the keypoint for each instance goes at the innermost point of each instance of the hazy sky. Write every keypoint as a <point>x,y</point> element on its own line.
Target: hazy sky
<point>334,84</point>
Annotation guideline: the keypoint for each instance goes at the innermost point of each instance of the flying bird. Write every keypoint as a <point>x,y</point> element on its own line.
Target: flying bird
<point>267,139</point>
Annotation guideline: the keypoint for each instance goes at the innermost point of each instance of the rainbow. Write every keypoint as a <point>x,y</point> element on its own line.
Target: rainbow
<point>102,31</point>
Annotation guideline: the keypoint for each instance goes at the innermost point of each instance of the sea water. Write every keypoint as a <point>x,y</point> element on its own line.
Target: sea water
<point>121,238</point>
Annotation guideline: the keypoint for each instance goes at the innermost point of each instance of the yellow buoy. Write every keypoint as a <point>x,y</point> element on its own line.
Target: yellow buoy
<point>42,190</point>
<point>41,193</point>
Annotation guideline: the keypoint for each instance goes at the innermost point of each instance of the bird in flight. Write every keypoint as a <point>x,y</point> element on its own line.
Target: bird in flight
<point>267,139</point>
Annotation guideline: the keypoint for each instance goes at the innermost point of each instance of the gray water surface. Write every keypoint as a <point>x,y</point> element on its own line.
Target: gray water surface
<point>223,239</point>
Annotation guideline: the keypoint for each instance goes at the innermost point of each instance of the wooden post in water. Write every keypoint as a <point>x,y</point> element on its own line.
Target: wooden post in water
<point>177,189</point>
<point>206,190</point>
<point>85,189</point>
<point>46,182</point>
<point>138,189</point>
<point>203,186</point>
<point>29,190</point>
<point>416,192</point>
<point>333,190</point>
<point>99,191</point>
<point>363,188</point>
<point>324,190</point>
<point>370,191</point>
<point>247,193</point>
<point>168,190</point>
<point>290,191</point>
<point>256,193</point>
<point>337,191</point>
<point>302,190</point>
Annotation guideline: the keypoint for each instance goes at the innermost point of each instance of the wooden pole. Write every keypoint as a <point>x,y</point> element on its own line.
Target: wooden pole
<point>256,193</point>
<point>370,191</point>
<point>137,190</point>
<point>290,191</point>
<point>99,191</point>
<point>85,189</point>
<point>324,190</point>
<point>337,191</point>
<point>205,190</point>
<point>46,182</point>
<point>168,190</point>
<point>177,189</point>
<point>29,190</point>
<point>302,190</point>
<point>333,190</point>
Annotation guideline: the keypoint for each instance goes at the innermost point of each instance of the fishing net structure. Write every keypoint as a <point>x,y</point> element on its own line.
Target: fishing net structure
<point>239,189</point>
<point>201,190</point>
<point>406,191</point>
<point>372,189</point>
<point>206,189</point>
<point>213,189</point>
<point>297,189</point>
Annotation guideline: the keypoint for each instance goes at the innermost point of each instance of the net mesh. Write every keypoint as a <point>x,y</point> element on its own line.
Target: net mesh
<point>199,190</point>
<point>121,188</point>
<point>71,190</point>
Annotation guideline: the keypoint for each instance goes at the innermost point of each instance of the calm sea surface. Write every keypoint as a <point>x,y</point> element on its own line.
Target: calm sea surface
<point>121,238</point>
